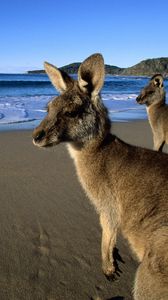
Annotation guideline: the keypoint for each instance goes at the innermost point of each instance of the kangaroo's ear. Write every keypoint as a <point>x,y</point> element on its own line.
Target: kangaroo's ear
<point>91,74</point>
<point>59,79</point>
<point>157,80</point>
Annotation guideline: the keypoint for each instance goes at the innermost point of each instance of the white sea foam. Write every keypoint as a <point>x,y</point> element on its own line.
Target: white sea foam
<point>28,108</point>
<point>22,109</point>
<point>118,97</point>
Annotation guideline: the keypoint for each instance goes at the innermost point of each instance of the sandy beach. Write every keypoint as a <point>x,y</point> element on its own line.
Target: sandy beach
<point>49,232</point>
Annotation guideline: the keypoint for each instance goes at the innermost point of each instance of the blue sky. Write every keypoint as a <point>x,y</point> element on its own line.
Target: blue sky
<point>65,31</point>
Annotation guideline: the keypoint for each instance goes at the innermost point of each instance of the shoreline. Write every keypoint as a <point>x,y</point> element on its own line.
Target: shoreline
<point>30,125</point>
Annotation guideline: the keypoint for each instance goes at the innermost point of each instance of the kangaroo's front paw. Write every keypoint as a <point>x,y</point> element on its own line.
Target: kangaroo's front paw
<point>111,271</point>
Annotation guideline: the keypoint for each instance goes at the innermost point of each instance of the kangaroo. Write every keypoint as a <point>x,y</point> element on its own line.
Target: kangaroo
<point>153,95</point>
<point>127,185</point>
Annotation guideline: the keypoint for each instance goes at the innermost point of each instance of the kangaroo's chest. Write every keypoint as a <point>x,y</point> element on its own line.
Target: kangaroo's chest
<point>94,180</point>
<point>154,117</point>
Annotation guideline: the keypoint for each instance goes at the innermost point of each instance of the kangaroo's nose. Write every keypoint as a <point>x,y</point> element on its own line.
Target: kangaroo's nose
<point>39,136</point>
<point>138,99</point>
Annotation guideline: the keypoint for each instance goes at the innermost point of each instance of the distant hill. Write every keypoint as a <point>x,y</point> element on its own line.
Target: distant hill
<point>149,67</point>
<point>146,67</point>
<point>73,69</point>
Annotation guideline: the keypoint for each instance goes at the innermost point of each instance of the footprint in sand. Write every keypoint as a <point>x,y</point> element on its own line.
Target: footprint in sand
<point>44,246</point>
<point>41,241</point>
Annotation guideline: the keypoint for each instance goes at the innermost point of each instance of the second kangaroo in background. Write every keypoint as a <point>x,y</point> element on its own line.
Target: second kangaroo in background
<point>154,96</point>
<point>127,185</point>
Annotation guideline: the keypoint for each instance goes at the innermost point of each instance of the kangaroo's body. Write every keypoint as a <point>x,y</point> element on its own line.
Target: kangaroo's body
<point>127,185</point>
<point>153,95</point>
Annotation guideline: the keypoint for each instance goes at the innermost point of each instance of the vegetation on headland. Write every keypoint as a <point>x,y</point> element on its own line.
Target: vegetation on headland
<point>149,67</point>
<point>146,67</point>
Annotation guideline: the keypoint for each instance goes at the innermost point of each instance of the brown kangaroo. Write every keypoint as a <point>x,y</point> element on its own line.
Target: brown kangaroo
<point>128,185</point>
<point>153,95</point>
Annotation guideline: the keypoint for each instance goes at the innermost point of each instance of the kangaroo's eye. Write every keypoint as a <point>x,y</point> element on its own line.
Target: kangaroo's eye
<point>71,114</point>
<point>150,92</point>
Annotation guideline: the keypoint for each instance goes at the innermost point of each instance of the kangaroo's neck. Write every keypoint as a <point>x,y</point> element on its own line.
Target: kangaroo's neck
<point>154,111</point>
<point>79,150</point>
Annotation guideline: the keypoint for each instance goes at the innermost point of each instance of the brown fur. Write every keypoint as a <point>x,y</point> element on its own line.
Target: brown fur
<point>128,185</point>
<point>153,95</point>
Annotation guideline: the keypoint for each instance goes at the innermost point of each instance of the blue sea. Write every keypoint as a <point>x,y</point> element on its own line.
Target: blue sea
<point>23,99</point>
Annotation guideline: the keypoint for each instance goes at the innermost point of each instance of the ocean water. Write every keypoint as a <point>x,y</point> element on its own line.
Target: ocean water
<point>23,99</point>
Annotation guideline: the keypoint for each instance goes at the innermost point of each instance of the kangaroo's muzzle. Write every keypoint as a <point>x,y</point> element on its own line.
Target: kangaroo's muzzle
<point>139,100</point>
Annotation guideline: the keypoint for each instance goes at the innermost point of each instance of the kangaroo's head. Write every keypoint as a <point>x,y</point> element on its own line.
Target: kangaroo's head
<point>77,114</point>
<point>153,93</point>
